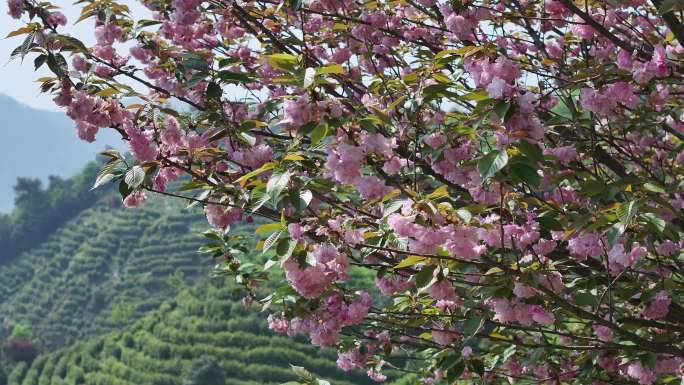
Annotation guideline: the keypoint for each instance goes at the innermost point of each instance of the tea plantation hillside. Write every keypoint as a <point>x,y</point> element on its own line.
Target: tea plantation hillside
<point>104,268</point>
<point>204,336</point>
<point>121,296</point>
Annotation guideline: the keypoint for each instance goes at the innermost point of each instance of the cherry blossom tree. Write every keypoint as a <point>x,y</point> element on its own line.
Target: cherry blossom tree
<point>511,172</point>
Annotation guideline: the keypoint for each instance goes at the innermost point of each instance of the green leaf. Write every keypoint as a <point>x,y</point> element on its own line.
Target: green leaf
<point>258,198</point>
<point>626,212</point>
<point>614,233</point>
<point>214,91</point>
<point>318,133</point>
<point>305,197</point>
<point>271,240</point>
<point>449,361</point>
<point>195,62</point>
<point>508,353</point>
<point>57,64</point>
<point>654,222</point>
<point>464,214</point>
<point>101,180</point>
<point>265,167</point>
<point>110,91</point>
<point>531,151</point>
<point>392,206</point>
<point>585,299</point>
<point>491,163</point>
<point>436,91</point>
<point>71,43</point>
<point>124,190</point>
<point>23,30</point>
<point>302,373</point>
<point>550,224</point>
<point>282,61</point>
<point>477,96</point>
<point>147,22</point>
<point>424,276</point>
<point>282,246</point>
<point>135,177</point>
<point>112,154</point>
<point>39,61</point>
<point>456,371</point>
<point>234,77</point>
<point>654,188</point>
<point>192,185</point>
<point>247,138</point>
<point>478,367</point>
<point>526,173</point>
<point>268,228</point>
<point>472,325</point>
<point>330,69</point>
<point>445,53</point>
<point>285,248</point>
<point>592,187</point>
<point>309,77</point>
<point>409,261</point>
<point>504,110</point>
<point>276,184</point>
<point>23,49</point>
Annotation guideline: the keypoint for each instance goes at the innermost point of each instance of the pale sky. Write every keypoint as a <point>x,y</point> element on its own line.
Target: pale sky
<point>17,80</point>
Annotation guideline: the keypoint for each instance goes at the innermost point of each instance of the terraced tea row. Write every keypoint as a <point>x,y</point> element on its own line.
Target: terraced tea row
<point>189,340</point>
<point>66,287</point>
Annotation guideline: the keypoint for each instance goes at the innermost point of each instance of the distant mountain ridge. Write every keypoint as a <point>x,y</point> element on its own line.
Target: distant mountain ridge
<point>39,143</point>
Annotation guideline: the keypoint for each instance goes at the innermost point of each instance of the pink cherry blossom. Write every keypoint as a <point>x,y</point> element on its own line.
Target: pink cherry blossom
<point>541,316</point>
<point>585,245</point>
<point>309,281</point>
<point>376,375</point>
<point>443,335</point>
<point>351,359</point>
<point>15,8</point>
<point>394,165</point>
<point>659,306</point>
<point>389,285</point>
<point>641,373</point>
<point>55,19</point>
<point>523,291</point>
<point>503,310</point>
<point>221,216</point>
<point>134,199</point>
<point>565,154</point>
<point>345,163</point>
<point>443,290</point>
<point>372,187</point>
<point>604,333</point>
<point>296,231</point>
<point>435,139</point>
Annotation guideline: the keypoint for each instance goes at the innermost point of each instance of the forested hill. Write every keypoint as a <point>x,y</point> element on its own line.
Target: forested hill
<point>121,296</point>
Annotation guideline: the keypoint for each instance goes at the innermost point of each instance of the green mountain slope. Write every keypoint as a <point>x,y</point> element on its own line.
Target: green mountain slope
<point>205,336</point>
<point>106,258</point>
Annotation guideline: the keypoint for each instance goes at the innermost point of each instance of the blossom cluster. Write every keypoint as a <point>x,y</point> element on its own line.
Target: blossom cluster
<point>509,173</point>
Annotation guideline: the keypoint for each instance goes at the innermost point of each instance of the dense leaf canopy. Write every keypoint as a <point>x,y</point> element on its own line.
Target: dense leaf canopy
<point>511,171</point>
